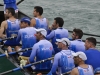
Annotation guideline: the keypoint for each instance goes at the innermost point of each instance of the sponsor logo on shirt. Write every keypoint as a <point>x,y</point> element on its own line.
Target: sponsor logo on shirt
<point>29,36</point>
<point>85,70</point>
<point>45,48</point>
<point>13,22</point>
<point>50,48</point>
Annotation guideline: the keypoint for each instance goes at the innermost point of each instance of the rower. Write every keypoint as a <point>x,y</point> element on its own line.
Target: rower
<point>11,27</point>
<point>93,55</point>
<point>82,69</point>
<point>77,44</point>
<point>63,60</point>
<point>10,4</point>
<point>41,50</point>
<point>26,35</point>
<point>39,21</point>
<point>58,33</point>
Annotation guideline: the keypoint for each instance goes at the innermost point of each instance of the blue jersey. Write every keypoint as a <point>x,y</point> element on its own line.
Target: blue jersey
<point>85,71</point>
<point>9,1</point>
<point>42,50</point>
<point>12,29</point>
<point>10,4</point>
<point>93,57</point>
<point>41,23</point>
<point>57,34</point>
<point>63,60</point>
<point>27,37</point>
<point>77,45</point>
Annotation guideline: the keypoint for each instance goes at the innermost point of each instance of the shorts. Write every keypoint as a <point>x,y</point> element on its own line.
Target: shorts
<point>12,5</point>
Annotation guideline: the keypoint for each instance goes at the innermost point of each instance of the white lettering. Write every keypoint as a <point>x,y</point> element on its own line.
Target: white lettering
<point>45,48</point>
<point>29,36</point>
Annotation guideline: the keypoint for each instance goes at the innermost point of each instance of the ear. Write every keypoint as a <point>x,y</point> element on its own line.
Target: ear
<point>57,25</point>
<point>77,37</point>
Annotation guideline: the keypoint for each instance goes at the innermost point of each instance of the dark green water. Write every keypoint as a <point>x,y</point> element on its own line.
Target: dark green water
<point>6,65</point>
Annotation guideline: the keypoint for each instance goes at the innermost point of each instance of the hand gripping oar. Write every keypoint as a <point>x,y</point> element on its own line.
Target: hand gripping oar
<point>11,53</point>
<point>9,38</point>
<point>19,68</point>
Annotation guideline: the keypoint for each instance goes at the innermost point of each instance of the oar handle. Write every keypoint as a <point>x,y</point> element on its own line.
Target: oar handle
<point>26,66</point>
<point>23,50</point>
<point>9,38</point>
<point>11,53</point>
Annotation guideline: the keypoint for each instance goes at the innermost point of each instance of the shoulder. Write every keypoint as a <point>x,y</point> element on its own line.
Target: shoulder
<point>4,23</point>
<point>72,51</point>
<point>65,29</point>
<point>58,55</point>
<point>36,45</point>
<point>33,20</point>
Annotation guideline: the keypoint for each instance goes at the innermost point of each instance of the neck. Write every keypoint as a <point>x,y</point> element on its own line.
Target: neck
<point>42,38</point>
<point>11,17</point>
<point>92,47</point>
<point>81,63</point>
<point>39,17</point>
<point>64,48</point>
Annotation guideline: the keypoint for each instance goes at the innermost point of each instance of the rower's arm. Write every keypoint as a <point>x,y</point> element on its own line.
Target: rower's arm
<point>74,72</point>
<point>55,64</point>
<point>33,23</point>
<point>19,36</point>
<point>50,36</point>
<point>33,54</point>
<point>2,29</point>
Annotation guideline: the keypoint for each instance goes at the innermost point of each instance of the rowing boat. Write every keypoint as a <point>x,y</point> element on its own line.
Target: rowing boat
<point>10,63</point>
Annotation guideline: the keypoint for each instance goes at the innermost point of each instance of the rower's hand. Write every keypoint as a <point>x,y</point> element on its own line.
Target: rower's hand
<point>39,74</point>
<point>9,49</point>
<point>17,48</point>
<point>51,28</point>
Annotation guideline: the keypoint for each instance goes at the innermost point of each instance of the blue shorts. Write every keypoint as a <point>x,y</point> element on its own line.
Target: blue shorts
<point>11,5</point>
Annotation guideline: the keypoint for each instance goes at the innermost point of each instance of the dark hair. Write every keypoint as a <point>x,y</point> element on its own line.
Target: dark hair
<point>39,9</point>
<point>11,10</point>
<point>92,40</point>
<point>60,21</point>
<point>78,32</point>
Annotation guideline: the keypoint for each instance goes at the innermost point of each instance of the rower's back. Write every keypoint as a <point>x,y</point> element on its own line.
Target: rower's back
<point>28,38</point>
<point>93,58</point>
<point>9,1</point>
<point>85,71</point>
<point>42,50</point>
<point>77,44</point>
<point>93,55</point>
<point>41,23</point>
<point>12,27</point>
<point>57,34</point>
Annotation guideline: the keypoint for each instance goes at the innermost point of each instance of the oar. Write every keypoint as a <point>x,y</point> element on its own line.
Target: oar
<point>67,73</point>
<point>19,68</point>
<point>9,38</point>
<point>19,2</point>
<point>11,53</point>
